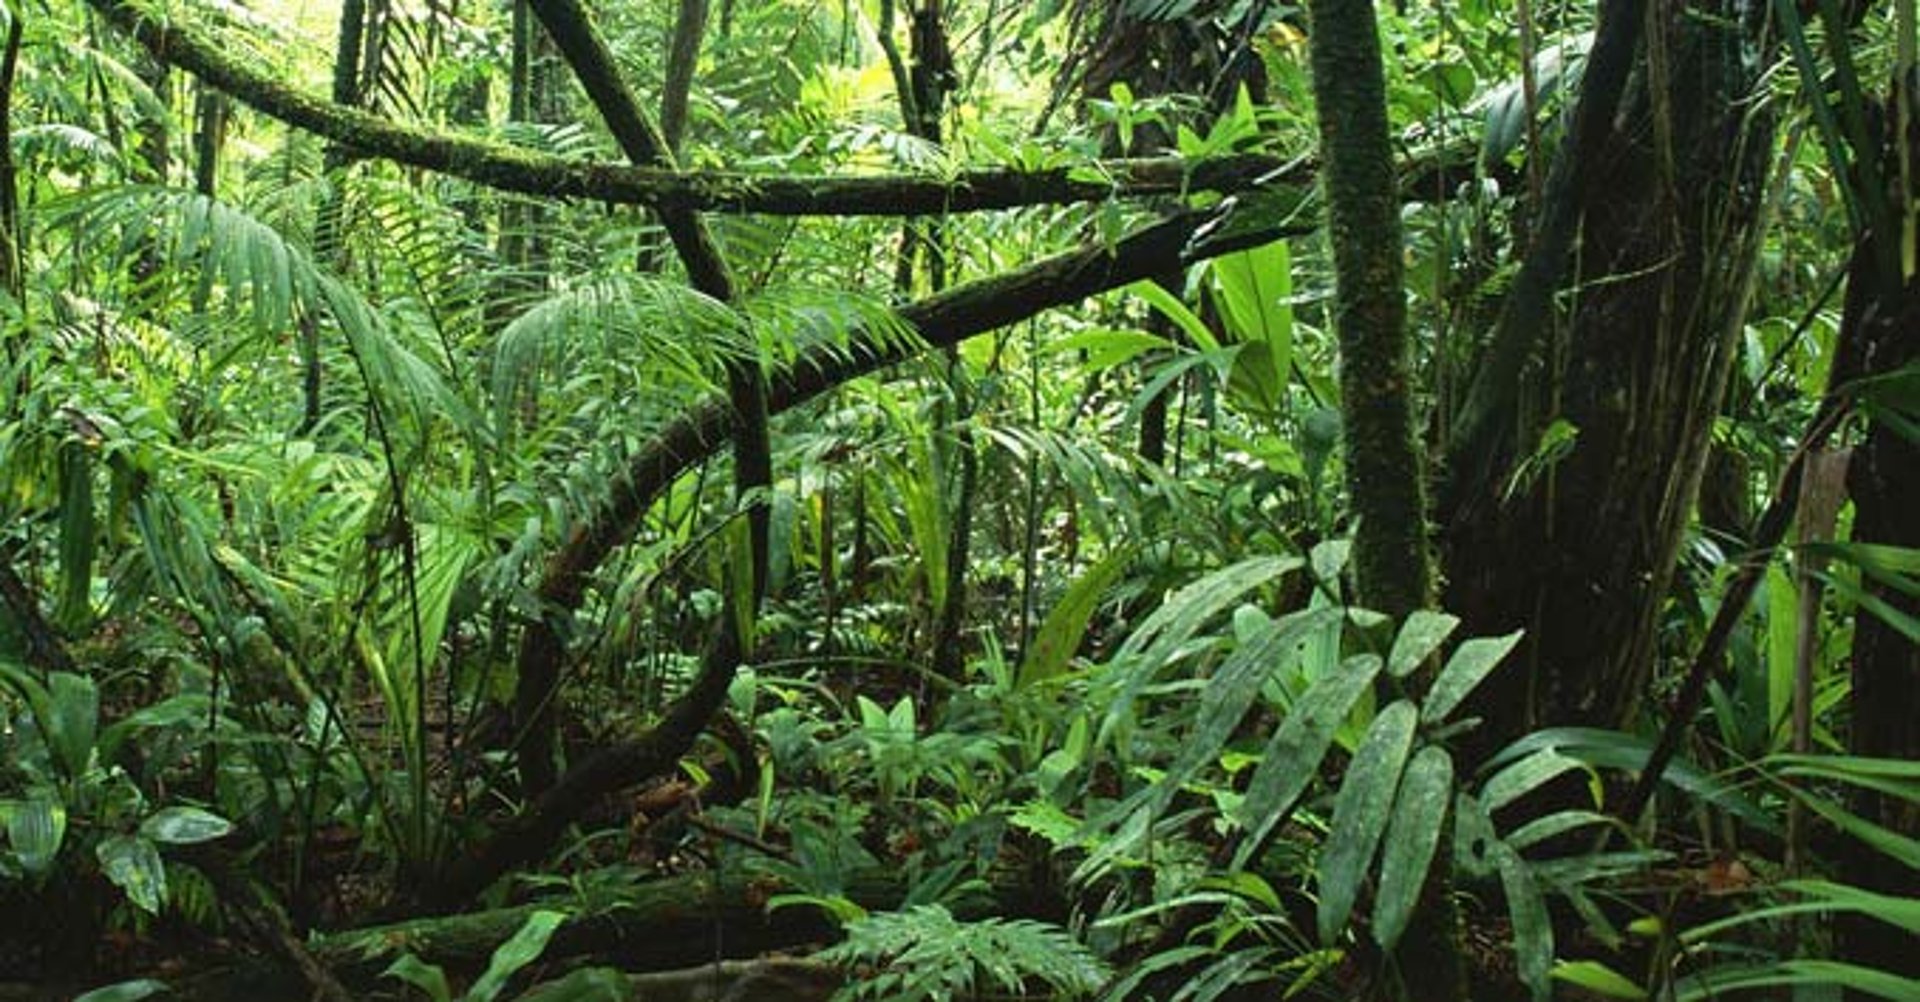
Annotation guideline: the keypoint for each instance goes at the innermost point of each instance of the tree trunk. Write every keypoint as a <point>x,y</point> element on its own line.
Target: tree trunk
<point>1580,549</point>
<point>1881,323</point>
<point>1393,566</point>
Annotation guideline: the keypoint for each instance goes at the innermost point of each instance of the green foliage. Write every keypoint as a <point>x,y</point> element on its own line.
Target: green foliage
<point>511,957</point>
<point>925,954</point>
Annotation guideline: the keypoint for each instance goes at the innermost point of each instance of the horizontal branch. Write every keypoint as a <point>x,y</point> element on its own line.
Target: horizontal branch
<point>939,321</point>
<point>506,168</point>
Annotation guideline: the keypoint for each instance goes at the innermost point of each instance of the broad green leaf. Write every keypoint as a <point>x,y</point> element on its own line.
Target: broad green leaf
<point>186,709</point>
<point>1169,627</point>
<point>77,535</point>
<point>1466,669</point>
<point>1412,836</point>
<point>1597,978</point>
<point>1106,347</point>
<point>1360,812</point>
<point>134,866</point>
<point>1525,776</point>
<point>524,948</point>
<point>1066,625</point>
<point>1421,635</point>
<point>1783,610</point>
<point>427,977</point>
<point>125,991</point>
<point>73,705</point>
<point>1532,928</point>
<point>1230,692</point>
<point>1173,309</point>
<point>35,829</point>
<point>1256,288</point>
<point>1821,896</point>
<point>1292,756</point>
<point>184,826</point>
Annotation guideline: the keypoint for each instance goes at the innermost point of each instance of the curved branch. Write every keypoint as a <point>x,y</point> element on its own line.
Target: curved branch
<point>507,168</point>
<point>945,319</point>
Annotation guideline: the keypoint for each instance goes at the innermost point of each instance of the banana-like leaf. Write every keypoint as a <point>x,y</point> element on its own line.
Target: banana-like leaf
<point>35,830</point>
<point>72,721</point>
<point>1066,625</point>
<point>1292,756</point>
<point>524,948</point>
<point>184,826</point>
<point>134,865</point>
<point>1465,670</point>
<point>1421,635</point>
<point>1360,813</point>
<point>1419,812</point>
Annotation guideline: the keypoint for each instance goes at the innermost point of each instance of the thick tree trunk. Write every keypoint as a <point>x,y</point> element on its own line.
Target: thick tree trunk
<point>1393,567</point>
<point>1882,318</point>
<point>1580,550</point>
<point>1385,472</point>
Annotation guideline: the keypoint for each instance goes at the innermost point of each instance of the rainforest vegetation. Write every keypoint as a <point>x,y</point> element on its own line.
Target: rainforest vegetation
<point>959,499</point>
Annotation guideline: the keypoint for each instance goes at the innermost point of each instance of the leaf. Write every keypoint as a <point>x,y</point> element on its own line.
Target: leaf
<point>1465,670</point>
<point>73,716</point>
<point>1360,813</point>
<point>1618,750</point>
<point>1421,635</point>
<point>1066,624</point>
<point>77,536</point>
<point>1821,896</point>
<point>1419,812</point>
<point>35,830</point>
<point>1525,776</point>
<point>1256,289</point>
<point>1292,756</point>
<point>1168,628</point>
<point>1597,978</point>
<point>184,826</point>
<point>427,977</point>
<point>1106,347</point>
<point>1819,973</point>
<point>1532,928</point>
<point>1233,688</point>
<point>524,948</point>
<point>134,866</point>
<point>125,991</point>
<point>1173,309</point>
<point>1782,633</point>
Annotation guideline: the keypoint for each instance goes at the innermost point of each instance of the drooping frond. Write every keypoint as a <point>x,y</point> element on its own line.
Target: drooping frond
<point>201,257</point>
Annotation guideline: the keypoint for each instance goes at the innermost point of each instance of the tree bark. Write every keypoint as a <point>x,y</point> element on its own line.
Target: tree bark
<point>507,169</point>
<point>683,57</point>
<point>1882,318</point>
<point>1666,206</point>
<point>536,689</point>
<point>1393,567</point>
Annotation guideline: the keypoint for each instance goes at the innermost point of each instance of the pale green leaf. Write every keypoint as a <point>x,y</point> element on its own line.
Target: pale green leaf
<point>1360,813</point>
<point>1419,812</point>
<point>1421,635</point>
<point>1466,669</point>
<point>1293,755</point>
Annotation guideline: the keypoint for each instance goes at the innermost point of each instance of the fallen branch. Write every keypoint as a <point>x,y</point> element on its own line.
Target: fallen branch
<point>506,168</point>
